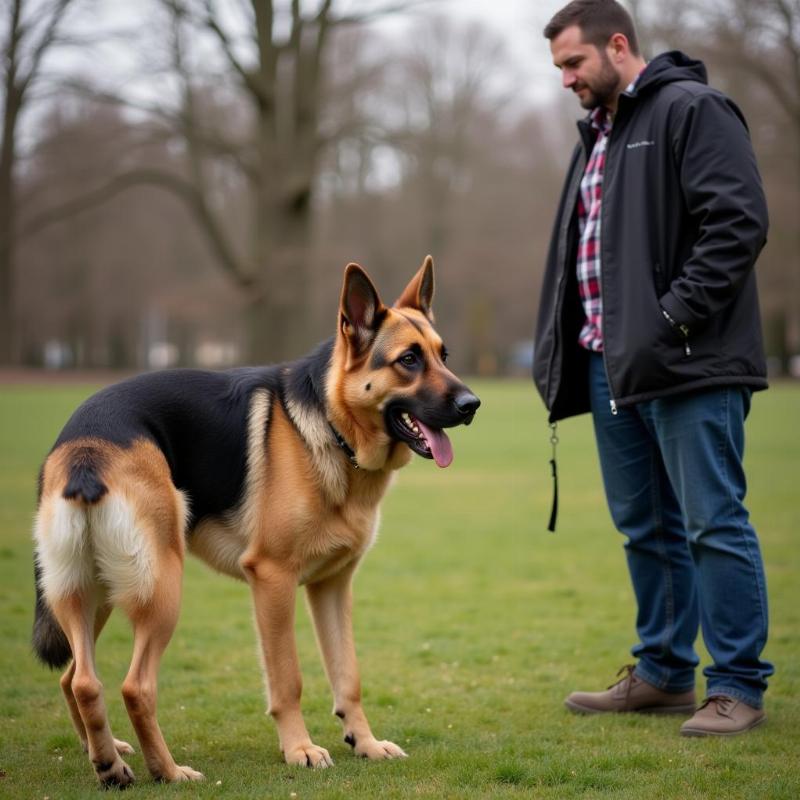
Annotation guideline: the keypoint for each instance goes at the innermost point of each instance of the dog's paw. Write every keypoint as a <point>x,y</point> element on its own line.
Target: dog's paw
<point>117,773</point>
<point>373,749</point>
<point>182,774</point>
<point>123,747</point>
<point>308,755</point>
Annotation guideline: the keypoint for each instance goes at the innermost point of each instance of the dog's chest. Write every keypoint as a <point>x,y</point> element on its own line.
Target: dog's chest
<point>314,545</point>
<point>303,504</point>
<point>335,545</point>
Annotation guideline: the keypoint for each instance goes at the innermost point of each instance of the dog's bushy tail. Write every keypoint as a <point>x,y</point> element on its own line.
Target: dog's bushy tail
<point>49,641</point>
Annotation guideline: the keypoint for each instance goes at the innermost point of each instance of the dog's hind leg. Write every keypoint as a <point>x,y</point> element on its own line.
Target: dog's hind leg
<point>331,602</point>
<point>75,613</point>
<point>122,748</point>
<point>153,624</point>
<point>142,563</point>
<point>68,622</point>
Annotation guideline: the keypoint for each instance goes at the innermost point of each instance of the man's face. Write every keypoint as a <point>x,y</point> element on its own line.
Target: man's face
<point>585,69</point>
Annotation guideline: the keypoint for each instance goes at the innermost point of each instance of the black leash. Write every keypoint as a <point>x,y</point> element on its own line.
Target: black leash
<point>551,526</point>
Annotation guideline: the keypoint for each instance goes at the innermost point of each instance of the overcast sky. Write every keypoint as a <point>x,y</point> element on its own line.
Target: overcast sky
<point>519,23</point>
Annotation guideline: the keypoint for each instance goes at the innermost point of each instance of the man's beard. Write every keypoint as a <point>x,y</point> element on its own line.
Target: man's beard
<point>603,88</point>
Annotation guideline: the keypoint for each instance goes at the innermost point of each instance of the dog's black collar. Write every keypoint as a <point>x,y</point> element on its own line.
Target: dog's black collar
<point>340,440</point>
<point>346,449</point>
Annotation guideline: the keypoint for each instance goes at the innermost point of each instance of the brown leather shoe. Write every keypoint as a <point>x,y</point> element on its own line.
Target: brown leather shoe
<point>723,716</point>
<point>631,693</point>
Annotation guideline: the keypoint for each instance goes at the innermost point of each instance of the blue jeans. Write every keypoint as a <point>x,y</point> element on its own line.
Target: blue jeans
<point>673,476</point>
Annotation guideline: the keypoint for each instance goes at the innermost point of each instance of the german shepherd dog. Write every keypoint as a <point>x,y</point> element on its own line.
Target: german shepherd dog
<point>272,475</point>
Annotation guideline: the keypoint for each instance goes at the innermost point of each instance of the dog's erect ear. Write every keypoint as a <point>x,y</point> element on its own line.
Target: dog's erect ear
<point>419,292</point>
<point>360,309</point>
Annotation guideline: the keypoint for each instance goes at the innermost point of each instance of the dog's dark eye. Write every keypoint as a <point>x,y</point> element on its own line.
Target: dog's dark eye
<point>444,354</point>
<point>409,359</point>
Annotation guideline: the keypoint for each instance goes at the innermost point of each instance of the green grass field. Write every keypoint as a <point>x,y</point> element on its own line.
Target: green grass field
<point>472,622</point>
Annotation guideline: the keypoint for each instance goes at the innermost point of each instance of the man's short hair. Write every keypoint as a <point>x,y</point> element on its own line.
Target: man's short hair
<point>598,21</point>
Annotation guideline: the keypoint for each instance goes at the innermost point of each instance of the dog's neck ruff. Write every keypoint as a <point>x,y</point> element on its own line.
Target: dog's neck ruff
<point>340,440</point>
<point>346,449</point>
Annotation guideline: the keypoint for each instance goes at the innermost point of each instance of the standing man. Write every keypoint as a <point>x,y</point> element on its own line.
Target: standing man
<point>649,319</point>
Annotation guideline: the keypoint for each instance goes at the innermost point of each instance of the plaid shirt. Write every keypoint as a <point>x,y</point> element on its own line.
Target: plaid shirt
<point>589,217</point>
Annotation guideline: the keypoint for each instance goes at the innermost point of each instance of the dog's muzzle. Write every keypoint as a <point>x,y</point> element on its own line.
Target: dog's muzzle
<point>419,423</point>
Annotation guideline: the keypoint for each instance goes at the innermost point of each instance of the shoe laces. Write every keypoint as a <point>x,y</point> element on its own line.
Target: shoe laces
<point>722,704</point>
<point>629,676</point>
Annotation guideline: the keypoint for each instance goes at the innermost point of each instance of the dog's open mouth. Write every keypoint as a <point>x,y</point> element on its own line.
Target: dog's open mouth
<point>425,441</point>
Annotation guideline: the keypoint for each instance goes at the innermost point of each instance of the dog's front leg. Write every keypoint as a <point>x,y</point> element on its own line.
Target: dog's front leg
<point>331,603</point>
<point>274,591</point>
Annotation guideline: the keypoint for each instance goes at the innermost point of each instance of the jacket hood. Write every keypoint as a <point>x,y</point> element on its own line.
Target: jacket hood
<point>665,68</point>
<point>670,67</point>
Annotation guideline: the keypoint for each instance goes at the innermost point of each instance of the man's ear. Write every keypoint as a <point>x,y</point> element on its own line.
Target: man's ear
<point>419,292</point>
<point>360,309</point>
<point>618,47</point>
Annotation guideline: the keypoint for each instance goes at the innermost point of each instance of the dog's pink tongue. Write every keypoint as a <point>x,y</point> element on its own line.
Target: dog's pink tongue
<point>441,449</point>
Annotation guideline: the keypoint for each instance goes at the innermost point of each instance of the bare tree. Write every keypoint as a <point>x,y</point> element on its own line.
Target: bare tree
<point>106,285</point>
<point>471,177</point>
<point>31,29</point>
<point>267,62</point>
<point>757,40</point>
<point>282,78</point>
<point>448,88</point>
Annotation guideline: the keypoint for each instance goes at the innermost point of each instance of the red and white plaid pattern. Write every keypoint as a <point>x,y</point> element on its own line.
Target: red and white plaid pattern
<point>588,262</point>
<point>589,219</point>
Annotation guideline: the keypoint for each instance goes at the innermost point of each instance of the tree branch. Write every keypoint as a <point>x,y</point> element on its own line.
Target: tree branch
<point>791,18</point>
<point>248,77</point>
<point>48,38</point>
<point>172,183</point>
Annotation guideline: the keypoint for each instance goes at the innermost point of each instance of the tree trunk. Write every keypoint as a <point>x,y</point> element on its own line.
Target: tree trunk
<point>7,218</point>
<point>277,312</point>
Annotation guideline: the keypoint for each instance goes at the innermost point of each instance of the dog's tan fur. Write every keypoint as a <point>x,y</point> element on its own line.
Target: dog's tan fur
<point>307,517</point>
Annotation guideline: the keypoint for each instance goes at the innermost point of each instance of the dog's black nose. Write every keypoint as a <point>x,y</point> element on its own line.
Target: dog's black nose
<point>466,403</point>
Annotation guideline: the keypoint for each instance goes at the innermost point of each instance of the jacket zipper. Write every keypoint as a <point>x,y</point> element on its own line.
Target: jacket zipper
<point>612,402</point>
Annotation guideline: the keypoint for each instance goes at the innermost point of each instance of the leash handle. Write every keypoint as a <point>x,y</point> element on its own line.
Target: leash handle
<point>551,525</point>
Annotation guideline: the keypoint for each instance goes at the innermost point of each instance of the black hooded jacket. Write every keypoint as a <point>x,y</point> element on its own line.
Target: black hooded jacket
<point>683,221</point>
